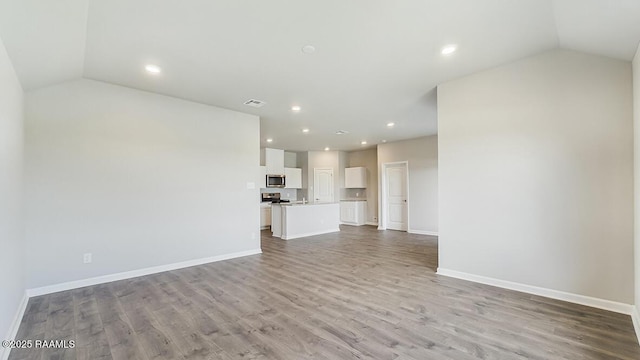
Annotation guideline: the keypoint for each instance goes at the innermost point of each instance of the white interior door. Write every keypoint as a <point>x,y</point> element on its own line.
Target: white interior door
<point>396,196</point>
<point>323,185</point>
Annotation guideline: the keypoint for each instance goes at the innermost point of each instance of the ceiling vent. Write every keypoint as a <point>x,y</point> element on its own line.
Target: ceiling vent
<point>255,103</point>
<point>341,132</point>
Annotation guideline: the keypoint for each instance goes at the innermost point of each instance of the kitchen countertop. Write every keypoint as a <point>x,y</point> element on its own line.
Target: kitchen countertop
<point>269,203</point>
<point>299,203</point>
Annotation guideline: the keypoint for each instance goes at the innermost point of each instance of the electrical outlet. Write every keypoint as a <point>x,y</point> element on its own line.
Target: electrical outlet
<point>86,258</point>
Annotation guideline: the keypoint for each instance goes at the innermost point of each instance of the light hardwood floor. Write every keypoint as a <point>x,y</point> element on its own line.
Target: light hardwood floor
<point>359,294</point>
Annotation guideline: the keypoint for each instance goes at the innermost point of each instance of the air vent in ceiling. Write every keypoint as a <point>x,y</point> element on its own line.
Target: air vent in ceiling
<point>341,132</point>
<point>255,103</point>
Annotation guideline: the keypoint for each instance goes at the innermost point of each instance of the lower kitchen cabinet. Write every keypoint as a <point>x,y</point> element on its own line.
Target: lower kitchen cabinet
<point>265,217</point>
<point>353,212</point>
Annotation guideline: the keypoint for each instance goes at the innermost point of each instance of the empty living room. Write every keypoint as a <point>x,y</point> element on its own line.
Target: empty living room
<point>287,179</point>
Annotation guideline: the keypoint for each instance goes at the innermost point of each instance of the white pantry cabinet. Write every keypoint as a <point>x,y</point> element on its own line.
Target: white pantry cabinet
<point>355,178</point>
<point>353,212</point>
<point>293,178</point>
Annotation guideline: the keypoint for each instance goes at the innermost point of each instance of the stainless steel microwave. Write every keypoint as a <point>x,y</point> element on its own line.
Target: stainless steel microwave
<point>276,181</point>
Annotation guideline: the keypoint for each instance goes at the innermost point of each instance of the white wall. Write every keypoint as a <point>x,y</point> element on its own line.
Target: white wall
<point>343,163</point>
<point>302,161</point>
<point>12,262</point>
<point>367,159</point>
<point>636,177</point>
<point>422,155</point>
<point>535,163</point>
<point>135,178</point>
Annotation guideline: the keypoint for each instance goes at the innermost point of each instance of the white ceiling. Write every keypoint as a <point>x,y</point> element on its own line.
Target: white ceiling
<point>45,39</point>
<point>376,61</point>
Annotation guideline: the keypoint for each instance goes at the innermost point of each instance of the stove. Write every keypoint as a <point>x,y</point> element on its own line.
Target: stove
<point>272,198</point>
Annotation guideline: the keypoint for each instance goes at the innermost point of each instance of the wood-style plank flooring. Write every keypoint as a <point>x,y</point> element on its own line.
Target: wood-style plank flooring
<point>357,294</point>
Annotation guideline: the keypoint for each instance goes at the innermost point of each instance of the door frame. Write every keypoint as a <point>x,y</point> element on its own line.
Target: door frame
<point>383,192</point>
<point>333,190</point>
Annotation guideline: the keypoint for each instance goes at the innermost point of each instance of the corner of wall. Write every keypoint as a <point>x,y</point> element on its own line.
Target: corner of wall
<point>12,256</point>
<point>15,325</point>
<point>636,152</point>
<point>635,317</point>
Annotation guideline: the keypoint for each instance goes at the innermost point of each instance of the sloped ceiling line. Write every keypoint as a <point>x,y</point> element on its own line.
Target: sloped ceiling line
<point>374,62</point>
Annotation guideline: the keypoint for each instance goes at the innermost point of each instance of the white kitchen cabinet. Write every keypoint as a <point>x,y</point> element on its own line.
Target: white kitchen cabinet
<point>353,212</point>
<point>262,180</point>
<point>355,178</point>
<point>265,216</point>
<point>293,178</point>
<point>273,160</point>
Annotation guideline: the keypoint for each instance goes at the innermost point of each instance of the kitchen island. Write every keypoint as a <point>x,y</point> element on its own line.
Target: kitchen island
<point>295,220</point>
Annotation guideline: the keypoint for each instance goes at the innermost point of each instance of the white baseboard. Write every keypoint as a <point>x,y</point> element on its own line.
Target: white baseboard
<point>297,236</point>
<point>351,224</point>
<point>422,232</point>
<point>134,273</point>
<point>550,293</point>
<point>635,317</point>
<point>372,223</point>
<point>15,325</point>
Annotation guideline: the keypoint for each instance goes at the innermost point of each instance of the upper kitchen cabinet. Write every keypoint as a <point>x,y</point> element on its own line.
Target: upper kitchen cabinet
<point>355,178</point>
<point>293,178</point>
<point>273,159</point>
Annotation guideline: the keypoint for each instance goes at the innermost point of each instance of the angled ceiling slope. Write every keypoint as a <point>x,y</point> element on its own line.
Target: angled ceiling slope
<point>376,61</point>
<point>45,39</point>
<point>603,27</point>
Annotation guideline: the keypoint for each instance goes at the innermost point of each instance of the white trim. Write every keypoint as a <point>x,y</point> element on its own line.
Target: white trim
<point>372,223</point>
<point>635,317</point>
<point>15,325</point>
<point>296,236</point>
<point>550,293</point>
<point>134,273</point>
<point>422,232</point>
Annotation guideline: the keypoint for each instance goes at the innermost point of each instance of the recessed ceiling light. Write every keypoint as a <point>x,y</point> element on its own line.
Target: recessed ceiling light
<point>269,140</point>
<point>305,130</point>
<point>391,124</point>
<point>308,49</point>
<point>363,143</point>
<point>153,69</point>
<point>384,141</point>
<point>326,149</point>
<point>296,108</point>
<point>449,49</point>
<point>341,132</point>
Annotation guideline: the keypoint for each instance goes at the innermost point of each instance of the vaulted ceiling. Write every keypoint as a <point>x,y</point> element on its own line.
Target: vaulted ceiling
<point>376,61</point>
